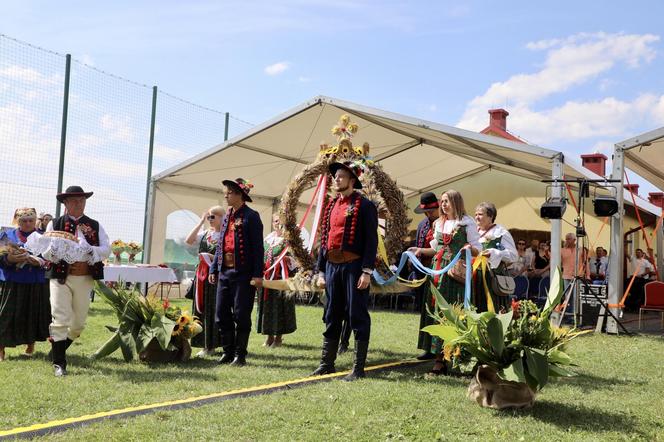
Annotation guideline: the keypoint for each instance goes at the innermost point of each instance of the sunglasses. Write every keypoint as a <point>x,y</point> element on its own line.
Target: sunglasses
<point>521,243</point>
<point>211,216</point>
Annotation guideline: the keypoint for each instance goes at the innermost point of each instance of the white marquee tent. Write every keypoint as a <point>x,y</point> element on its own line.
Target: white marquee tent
<point>420,155</point>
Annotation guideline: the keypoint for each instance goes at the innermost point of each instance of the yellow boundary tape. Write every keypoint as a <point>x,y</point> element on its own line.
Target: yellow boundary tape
<point>64,424</point>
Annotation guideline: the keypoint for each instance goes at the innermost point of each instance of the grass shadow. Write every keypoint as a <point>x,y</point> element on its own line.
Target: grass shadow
<point>580,417</point>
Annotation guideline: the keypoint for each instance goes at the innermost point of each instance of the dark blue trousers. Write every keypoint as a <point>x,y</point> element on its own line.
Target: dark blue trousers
<point>235,301</point>
<point>345,300</point>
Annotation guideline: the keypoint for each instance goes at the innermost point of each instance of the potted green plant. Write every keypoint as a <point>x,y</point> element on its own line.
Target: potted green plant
<point>515,352</point>
<point>153,329</point>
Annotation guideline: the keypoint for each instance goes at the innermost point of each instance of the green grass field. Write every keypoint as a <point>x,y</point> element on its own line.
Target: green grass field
<point>619,394</point>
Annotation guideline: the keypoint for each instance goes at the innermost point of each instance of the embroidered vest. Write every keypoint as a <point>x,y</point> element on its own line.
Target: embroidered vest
<point>60,270</point>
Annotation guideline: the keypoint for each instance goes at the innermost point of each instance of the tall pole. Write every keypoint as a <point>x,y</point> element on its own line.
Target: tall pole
<point>556,224</point>
<point>147,219</point>
<point>616,256</point>
<point>226,126</point>
<point>63,132</point>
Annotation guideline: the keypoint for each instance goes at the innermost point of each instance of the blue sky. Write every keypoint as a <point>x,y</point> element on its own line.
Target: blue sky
<point>575,76</point>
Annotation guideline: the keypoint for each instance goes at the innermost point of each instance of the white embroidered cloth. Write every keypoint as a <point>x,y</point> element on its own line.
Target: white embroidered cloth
<point>56,249</point>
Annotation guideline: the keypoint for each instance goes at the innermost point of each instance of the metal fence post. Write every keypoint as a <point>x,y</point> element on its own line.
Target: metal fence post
<point>226,126</point>
<point>146,219</point>
<point>63,133</point>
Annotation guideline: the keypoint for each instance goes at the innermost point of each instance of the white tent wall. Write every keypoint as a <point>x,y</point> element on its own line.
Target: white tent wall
<point>170,198</point>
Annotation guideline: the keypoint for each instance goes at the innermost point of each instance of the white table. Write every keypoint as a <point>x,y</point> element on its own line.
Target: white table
<point>129,273</point>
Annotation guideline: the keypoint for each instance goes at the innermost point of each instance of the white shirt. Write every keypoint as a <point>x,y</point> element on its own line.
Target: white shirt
<point>507,253</point>
<point>100,252</point>
<point>603,265</point>
<point>644,267</point>
<point>472,235</point>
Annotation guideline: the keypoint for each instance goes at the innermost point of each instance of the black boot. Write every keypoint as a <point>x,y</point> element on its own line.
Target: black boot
<point>59,349</point>
<point>68,343</point>
<point>241,343</point>
<point>329,355</point>
<point>228,344</point>
<point>361,348</point>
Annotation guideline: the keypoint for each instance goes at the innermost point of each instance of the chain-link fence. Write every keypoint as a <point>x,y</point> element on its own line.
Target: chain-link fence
<point>106,147</point>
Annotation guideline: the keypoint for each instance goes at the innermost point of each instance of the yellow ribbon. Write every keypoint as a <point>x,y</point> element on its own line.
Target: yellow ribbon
<point>382,252</point>
<point>482,261</point>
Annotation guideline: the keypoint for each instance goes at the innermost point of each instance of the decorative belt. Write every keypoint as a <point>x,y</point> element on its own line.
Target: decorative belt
<point>229,260</point>
<point>80,268</point>
<point>338,256</point>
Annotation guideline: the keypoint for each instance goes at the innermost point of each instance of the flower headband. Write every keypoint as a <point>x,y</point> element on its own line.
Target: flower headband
<point>24,212</point>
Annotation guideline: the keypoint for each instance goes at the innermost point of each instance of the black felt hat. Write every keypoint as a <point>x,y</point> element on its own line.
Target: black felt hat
<point>73,191</point>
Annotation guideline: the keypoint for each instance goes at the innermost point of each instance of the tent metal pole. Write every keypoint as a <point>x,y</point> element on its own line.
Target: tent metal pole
<point>615,289</point>
<point>660,251</point>
<point>556,224</point>
<point>149,217</point>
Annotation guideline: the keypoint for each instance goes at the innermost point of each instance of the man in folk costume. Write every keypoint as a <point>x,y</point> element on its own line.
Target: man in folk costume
<point>71,284</point>
<point>349,239</point>
<point>237,262</point>
<point>430,207</point>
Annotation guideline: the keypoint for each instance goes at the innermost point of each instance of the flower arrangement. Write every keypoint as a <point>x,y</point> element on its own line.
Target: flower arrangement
<point>117,248</point>
<point>157,331</point>
<point>515,352</point>
<point>133,249</point>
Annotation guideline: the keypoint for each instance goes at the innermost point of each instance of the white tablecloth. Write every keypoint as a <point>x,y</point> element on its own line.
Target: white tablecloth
<point>138,274</point>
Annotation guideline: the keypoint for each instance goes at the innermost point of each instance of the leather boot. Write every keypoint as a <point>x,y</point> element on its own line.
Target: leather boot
<point>361,348</point>
<point>68,343</point>
<point>228,344</point>
<point>329,355</point>
<point>241,343</point>
<point>59,349</point>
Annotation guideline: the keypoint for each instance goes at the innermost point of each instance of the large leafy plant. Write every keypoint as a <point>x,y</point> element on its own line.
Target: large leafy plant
<point>142,320</point>
<point>522,345</point>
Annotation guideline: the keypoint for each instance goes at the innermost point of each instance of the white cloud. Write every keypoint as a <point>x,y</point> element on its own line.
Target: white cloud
<point>29,76</point>
<point>570,62</point>
<point>87,59</point>
<point>303,79</point>
<point>277,68</point>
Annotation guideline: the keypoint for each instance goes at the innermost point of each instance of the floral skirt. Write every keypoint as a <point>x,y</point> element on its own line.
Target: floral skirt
<point>25,313</point>
<point>275,313</point>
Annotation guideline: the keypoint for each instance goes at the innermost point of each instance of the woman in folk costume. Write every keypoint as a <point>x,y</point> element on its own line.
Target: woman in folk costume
<point>25,309</point>
<point>453,231</point>
<point>500,251</point>
<point>276,309</point>
<point>204,293</point>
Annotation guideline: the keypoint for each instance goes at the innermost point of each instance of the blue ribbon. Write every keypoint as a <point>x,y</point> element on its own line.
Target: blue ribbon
<point>410,256</point>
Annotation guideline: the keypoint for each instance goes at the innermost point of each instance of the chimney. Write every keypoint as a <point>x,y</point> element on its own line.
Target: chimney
<point>656,198</point>
<point>498,118</point>
<point>595,162</point>
<point>634,188</point>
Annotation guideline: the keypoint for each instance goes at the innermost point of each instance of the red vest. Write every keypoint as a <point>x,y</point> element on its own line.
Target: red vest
<point>337,223</point>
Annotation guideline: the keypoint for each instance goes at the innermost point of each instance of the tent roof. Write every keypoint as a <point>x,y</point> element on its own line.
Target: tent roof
<point>644,154</point>
<point>420,155</point>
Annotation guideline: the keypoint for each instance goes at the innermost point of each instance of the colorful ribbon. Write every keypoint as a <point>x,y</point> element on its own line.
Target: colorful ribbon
<point>410,256</point>
<point>481,261</point>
